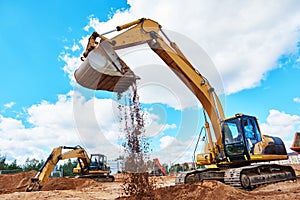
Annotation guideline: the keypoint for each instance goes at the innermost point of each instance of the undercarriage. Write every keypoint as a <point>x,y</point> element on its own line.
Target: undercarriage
<point>248,177</point>
<point>99,178</point>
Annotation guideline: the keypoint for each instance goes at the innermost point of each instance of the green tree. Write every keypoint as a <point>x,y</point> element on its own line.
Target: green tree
<point>179,168</point>
<point>67,168</point>
<point>176,168</point>
<point>32,164</point>
<point>186,167</point>
<point>14,165</point>
<point>3,164</point>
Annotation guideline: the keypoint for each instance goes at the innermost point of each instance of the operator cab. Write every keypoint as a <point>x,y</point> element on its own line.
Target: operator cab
<point>98,162</point>
<point>240,134</point>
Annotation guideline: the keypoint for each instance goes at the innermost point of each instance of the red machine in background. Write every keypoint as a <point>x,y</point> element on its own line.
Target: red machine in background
<point>162,169</point>
<point>296,143</point>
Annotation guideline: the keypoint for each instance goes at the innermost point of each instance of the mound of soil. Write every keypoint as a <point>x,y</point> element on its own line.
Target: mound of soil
<point>203,190</point>
<point>63,183</point>
<point>208,190</point>
<point>16,182</point>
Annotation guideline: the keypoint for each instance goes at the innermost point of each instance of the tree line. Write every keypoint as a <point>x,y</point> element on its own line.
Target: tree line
<point>67,167</point>
<point>34,164</point>
<point>30,164</point>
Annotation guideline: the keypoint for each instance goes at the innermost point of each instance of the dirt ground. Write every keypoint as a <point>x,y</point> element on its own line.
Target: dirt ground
<point>12,186</point>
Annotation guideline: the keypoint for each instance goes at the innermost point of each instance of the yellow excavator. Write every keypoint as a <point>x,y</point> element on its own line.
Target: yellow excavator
<point>239,155</point>
<point>94,167</point>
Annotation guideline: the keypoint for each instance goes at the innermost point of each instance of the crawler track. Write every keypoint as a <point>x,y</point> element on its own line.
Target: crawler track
<point>104,179</point>
<point>248,177</point>
<point>252,176</point>
<point>100,178</point>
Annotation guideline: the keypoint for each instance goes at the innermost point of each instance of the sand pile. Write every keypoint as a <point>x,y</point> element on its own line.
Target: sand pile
<point>204,190</point>
<point>64,183</point>
<point>16,182</point>
<point>214,190</point>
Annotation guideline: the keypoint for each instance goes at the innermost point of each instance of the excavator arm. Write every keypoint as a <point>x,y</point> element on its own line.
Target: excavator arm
<point>56,155</point>
<point>148,31</point>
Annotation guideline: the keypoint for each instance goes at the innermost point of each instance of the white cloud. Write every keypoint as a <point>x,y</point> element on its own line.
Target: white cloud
<point>75,47</point>
<point>8,124</point>
<point>281,124</point>
<point>155,128</point>
<point>166,141</point>
<point>72,63</point>
<point>70,121</point>
<point>175,150</point>
<point>296,99</point>
<point>9,105</point>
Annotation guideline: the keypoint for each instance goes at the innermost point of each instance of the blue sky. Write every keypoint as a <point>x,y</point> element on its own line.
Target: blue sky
<point>33,35</point>
<point>37,101</point>
<point>277,91</point>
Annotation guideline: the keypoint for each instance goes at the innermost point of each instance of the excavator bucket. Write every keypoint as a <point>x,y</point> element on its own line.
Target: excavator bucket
<point>296,143</point>
<point>104,70</point>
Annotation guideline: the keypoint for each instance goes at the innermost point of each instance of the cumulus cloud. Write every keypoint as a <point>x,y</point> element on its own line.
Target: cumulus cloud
<point>296,99</point>
<point>175,150</point>
<point>166,141</point>
<point>9,105</point>
<point>49,125</point>
<point>281,124</point>
<point>73,119</point>
<point>71,64</point>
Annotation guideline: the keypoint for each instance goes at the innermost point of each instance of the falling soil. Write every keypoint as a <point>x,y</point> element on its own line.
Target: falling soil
<point>136,147</point>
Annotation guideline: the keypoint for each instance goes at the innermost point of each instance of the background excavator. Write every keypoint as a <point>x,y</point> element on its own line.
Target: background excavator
<point>94,167</point>
<point>238,153</point>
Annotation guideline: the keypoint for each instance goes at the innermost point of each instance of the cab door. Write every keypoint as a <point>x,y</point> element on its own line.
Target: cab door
<point>234,140</point>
